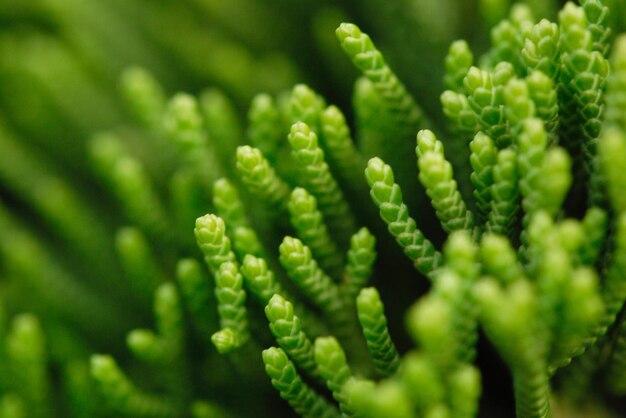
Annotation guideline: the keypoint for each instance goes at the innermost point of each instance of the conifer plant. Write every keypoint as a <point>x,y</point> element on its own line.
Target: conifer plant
<point>390,259</point>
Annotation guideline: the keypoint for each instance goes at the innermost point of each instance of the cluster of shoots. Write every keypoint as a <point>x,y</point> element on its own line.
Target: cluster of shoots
<point>509,225</point>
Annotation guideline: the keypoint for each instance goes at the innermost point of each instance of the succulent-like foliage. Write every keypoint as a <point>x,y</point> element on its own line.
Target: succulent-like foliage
<point>129,181</point>
<point>532,144</point>
<point>317,178</point>
<point>482,158</point>
<point>145,96</point>
<point>228,204</point>
<point>360,261</point>
<point>507,37</point>
<point>387,195</point>
<point>305,106</point>
<point>26,352</point>
<point>615,85</point>
<point>183,124</point>
<point>458,62</point>
<point>436,176</point>
<point>373,120</point>
<point>260,178</point>
<point>260,279</point>
<point>246,241</point>
<point>343,156</point>
<point>231,307</point>
<point>597,14</point>
<point>166,345</point>
<point>265,126</point>
<point>515,189</point>
<point>544,97</point>
<point>139,264</point>
<point>122,396</point>
<point>196,292</point>
<point>309,224</point>
<point>519,106</point>
<point>303,270</point>
<point>286,380</point>
<point>374,324</point>
<point>499,259</point>
<point>288,331</point>
<point>211,236</point>
<point>222,125</point>
<point>485,100</point>
<point>584,73</point>
<point>361,50</point>
<point>500,312</point>
<point>461,255</point>
<point>461,117</point>
<point>333,368</point>
<point>618,362</point>
<point>611,154</point>
<point>614,290</point>
<point>595,225</point>
<point>541,48</point>
<point>504,193</point>
<point>386,400</point>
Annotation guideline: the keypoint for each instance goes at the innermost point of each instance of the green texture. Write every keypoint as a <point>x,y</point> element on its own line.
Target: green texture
<point>287,329</point>
<point>374,324</point>
<point>286,380</point>
<point>318,179</point>
<point>387,195</point>
<point>310,227</point>
<point>325,172</point>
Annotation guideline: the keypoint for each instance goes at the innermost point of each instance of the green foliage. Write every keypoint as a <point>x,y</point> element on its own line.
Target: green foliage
<point>507,38</point>
<point>196,292</point>
<point>212,240</point>
<point>144,95</point>
<point>305,106</point>
<point>286,380</point>
<point>302,269</point>
<point>374,324</point>
<point>541,48</point>
<point>286,327</point>
<point>122,396</point>
<point>512,207</point>
<point>138,261</point>
<point>260,279</point>
<point>231,306</point>
<point>26,355</point>
<point>309,224</point>
<point>128,180</point>
<point>544,97</point>
<point>360,261</point>
<point>462,119</point>
<point>167,344</point>
<point>260,178</point>
<point>265,125</point>
<point>486,101</point>
<point>482,158</point>
<point>359,47</point>
<point>504,193</point>
<point>344,158</point>
<point>333,368</point>
<point>436,177</point>
<point>387,195</point>
<point>316,176</point>
<point>458,62</point>
<point>228,204</point>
